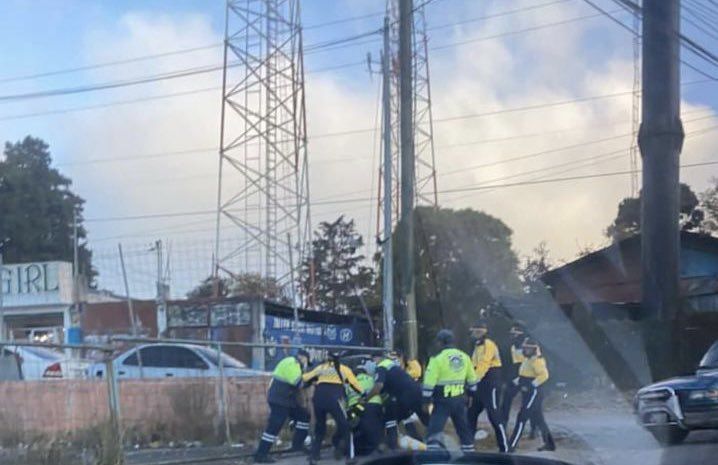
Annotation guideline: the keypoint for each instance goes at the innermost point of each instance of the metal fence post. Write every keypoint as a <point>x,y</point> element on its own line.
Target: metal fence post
<point>114,405</point>
<point>222,397</point>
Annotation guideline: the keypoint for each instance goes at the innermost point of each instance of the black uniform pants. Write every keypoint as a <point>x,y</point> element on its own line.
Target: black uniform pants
<point>329,400</point>
<point>445,408</point>
<point>531,408</point>
<point>399,409</point>
<point>370,430</point>
<point>278,414</point>
<point>487,398</point>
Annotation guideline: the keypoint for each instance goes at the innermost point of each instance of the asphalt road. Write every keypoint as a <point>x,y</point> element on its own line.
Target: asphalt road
<point>585,437</point>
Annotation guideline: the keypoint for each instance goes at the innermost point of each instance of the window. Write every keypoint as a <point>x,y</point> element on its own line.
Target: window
<point>131,360</point>
<point>227,361</point>
<point>169,357</point>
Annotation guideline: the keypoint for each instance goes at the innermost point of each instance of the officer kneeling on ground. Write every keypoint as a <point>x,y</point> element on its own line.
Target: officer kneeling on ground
<point>366,419</point>
<point>283,404</point>
<point>403,396</point>
<point>448,376</point>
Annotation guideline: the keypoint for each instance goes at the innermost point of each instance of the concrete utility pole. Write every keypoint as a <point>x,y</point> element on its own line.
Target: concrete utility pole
<point>387,247</point>
<point>406,226</point>
<point>660,140</point>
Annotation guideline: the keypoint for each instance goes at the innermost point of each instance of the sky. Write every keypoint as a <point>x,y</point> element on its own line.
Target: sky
<point>130,153</point>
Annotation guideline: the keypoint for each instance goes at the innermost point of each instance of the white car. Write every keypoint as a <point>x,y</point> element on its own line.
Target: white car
<point>37,363</point>
<point>173,360</point>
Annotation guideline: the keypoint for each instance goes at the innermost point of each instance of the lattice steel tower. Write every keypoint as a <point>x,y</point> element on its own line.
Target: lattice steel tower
<point>425,174</point>
<point>263,188</point>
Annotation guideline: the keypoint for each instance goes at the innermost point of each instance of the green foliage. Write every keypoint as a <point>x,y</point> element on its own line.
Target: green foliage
<point>243,284</point>
<point>37,208</point>
<point>464,263</point>
<point>533,267</point>
<point>628,219</point>
<point>340,275</point>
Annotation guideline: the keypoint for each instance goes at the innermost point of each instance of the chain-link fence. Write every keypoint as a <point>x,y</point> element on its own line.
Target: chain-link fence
<point>133,400</point>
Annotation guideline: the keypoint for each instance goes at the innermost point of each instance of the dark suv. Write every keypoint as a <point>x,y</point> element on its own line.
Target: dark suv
<point>672,408</point>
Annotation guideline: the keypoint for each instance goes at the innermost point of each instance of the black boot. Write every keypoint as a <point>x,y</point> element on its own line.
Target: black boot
<point>548,443</point>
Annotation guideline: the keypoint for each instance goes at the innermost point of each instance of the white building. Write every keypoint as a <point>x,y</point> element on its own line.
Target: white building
<point>36,301</point>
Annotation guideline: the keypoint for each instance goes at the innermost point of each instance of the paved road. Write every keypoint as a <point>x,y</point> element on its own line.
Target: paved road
<point>585,437</point>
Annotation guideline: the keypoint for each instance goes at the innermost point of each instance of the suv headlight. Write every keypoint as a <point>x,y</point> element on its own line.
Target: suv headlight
<point>704,394</point>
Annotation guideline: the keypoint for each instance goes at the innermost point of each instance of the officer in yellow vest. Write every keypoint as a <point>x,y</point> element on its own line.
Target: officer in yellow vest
<point>447,378</point>
<point>517,333</point>
<point>487,363</point>
<point>283,404</point>
<point>368,416</point>
<point>533,375</point>
<point>329,399</point>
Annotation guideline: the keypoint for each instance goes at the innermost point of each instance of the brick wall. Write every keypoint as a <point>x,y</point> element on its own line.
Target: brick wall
<point>166,409</point>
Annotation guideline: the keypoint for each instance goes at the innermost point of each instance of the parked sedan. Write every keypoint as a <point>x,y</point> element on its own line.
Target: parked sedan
<point>672,408</point>
<point>38,363</point>
<point>174,360</point>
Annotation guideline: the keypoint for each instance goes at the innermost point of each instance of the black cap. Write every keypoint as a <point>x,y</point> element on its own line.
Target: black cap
<point>303,353</point>
<point>480,324</point>
<point>445,337</point>
<point>518,326</point>
<point>529,342</point>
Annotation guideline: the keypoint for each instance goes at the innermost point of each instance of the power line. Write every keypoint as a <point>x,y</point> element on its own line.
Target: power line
<point>205,70</point>
<point>328,45</point>
<point>153,97</point>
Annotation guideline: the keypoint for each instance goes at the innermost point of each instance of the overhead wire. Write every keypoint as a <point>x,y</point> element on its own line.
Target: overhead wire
<point>327,45</point>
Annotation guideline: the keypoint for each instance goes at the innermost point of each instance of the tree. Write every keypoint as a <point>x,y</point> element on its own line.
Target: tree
<point>464,265</point>
<point>37,207</point>
<point>243,284</point>
<point>534,267</point>
<point>340,276</point>
<point>206,288</point>
<point>628,219</point>
<point>709,205</point>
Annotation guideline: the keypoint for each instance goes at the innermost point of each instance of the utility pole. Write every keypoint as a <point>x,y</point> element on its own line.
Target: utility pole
<point>130,308</point>
<point>161,291</point>
<point>660,140</point>
<point>387,247</point>
<point>407,176</point>
<point>2,290</point>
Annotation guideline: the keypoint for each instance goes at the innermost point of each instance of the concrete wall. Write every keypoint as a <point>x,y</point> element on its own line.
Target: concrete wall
<point>171,409</point>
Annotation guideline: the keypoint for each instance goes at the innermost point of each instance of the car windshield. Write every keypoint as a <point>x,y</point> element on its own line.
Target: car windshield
<point>710,359</point>
<point>395,225</point>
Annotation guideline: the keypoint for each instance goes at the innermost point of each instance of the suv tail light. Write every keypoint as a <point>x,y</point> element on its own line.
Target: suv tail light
<point>53,371</point>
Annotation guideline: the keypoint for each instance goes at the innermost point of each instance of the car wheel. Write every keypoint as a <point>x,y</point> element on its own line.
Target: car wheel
<point>670,435</point>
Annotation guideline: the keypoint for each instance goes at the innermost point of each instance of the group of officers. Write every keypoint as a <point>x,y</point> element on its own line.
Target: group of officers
<point>368,406</point>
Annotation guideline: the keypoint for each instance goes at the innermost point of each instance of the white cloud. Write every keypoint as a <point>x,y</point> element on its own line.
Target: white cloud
<point>553,64</point>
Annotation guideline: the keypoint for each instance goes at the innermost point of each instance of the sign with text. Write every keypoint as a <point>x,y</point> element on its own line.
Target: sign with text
<point>36,283</point>
<point>280,330</point>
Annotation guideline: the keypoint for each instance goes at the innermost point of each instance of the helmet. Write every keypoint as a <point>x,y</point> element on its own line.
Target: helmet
<point>334,355</point>
<point>445,337</point>
<point>303,353</point>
